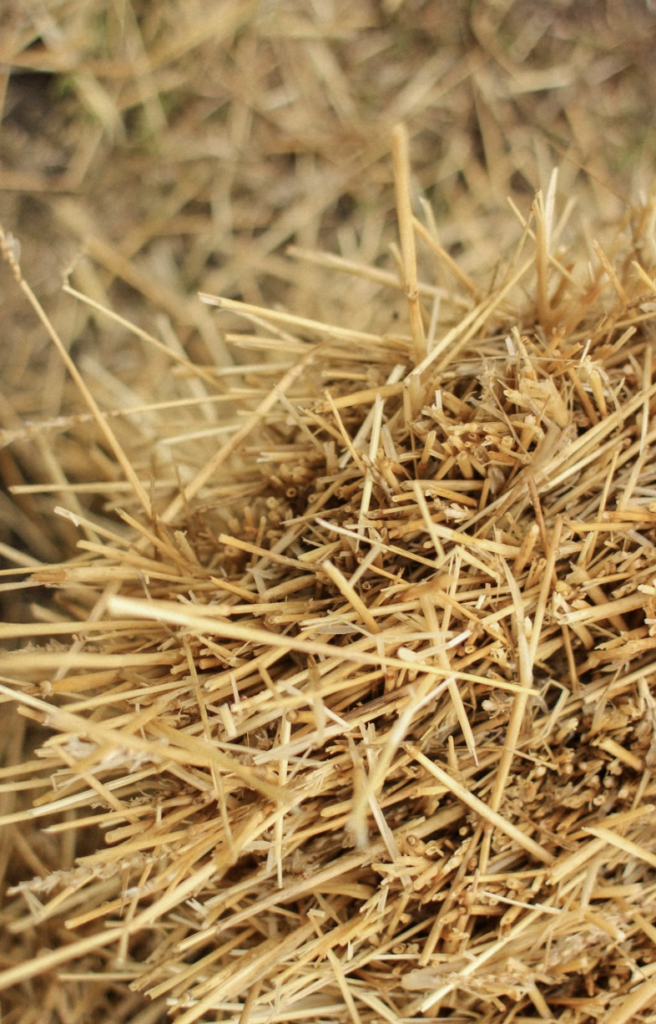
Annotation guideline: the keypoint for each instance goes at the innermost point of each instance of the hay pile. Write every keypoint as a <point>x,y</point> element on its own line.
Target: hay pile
<point>354,703</point>
<point>343,708</point>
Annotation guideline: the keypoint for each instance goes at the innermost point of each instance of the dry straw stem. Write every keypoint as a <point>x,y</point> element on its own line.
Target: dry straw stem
<point>400,152</point>
<point>350,716</point>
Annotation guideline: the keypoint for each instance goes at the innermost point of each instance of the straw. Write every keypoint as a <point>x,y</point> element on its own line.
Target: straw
<point>334,698</point>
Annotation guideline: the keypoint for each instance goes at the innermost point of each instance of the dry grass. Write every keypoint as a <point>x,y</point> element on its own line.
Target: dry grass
<point>161,149</point>
<point>343,710</point>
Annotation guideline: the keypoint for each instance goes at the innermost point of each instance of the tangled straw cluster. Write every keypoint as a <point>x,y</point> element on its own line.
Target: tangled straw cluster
<point>357,708</point>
